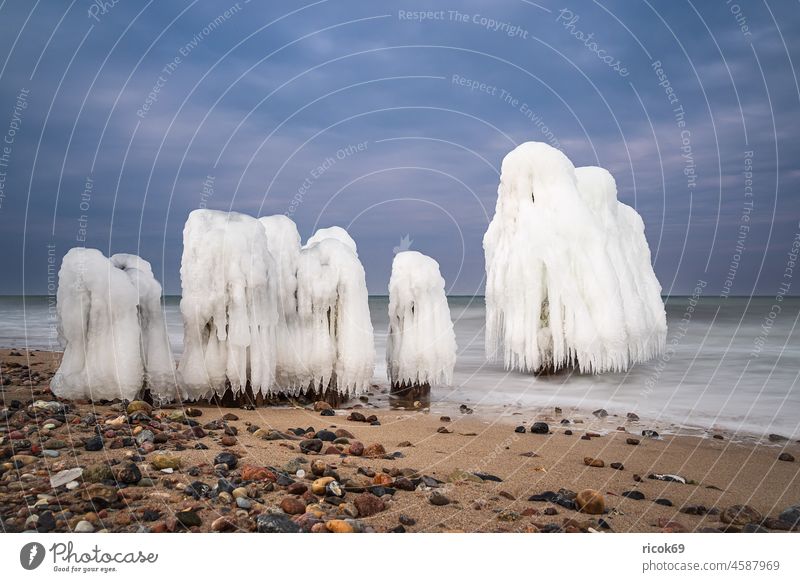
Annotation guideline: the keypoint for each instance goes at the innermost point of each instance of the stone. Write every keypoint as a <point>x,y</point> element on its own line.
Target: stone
<point>356,449</point>
<point>293,506</point>
<point>226,458</point>
<point>356,417</point>
<point>368,504</point>
<point>777,438</point>
<point>632,441</point>
<point>590,501</point>
<point>740,515</point>
<point>64,477</point>
<point>651,434</point>
<point>635,495</point>
<point>343,433</point>
<point>311,445</point>
<point>632,416</point>
<point>519,429</point>
<point>321,405</point>
<point>256,473</point>
<point>83,526</point>
<point>600,413</point>
<point>276,523</point>
<point>786,457</point>
<point>791,515</point>
<point>193,412</point>
<point>776,524</point>
<point>223,524</point>
<point>188,518</point>
<point>146,436</point>
<point>163,461</point>
<point>339,526</point>
<point>97,473</point>
<point>326,436</point>
<point>100,495</point>
<point>540,428</point>
<point>694,509</point>
<point>127,473</point>
<point>663,501</point>
<point>406,520</point>
<point>508,515</point>
<point>617,466</point>
<point>243,503</point>
<point>592,462</point>
<point>319,485</point>
<point>139,406</point>
<point>328,412</point>
<point>228,441</point>
<point>374,450</point>
<point>94,444</point>
<point>404,484</point>
<point>438,498</point>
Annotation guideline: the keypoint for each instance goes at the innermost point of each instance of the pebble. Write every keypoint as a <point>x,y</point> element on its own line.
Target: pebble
<point>83,526</point>
<point>590,501</point>
<point>328,412</point>
<point>311,445</point>
<point>786,457</point>
<point>356,449</point>
<point>519,429</point>
<point>97,473</point>
<point>161,462</point>
<point>740,515</point>
<point>368,504</point>
<point>663,501</point>
<point>228,441</point>
<point>256,473</point>
<point>406,520</point>
<point>651,434</point>
<point>64,477</point>
<point>94,444</point>
<point>128,473</point>
<point>600,413</point>
<point>631,441</point>
<point>223,524</point>
<point>635,495</point>
<point>617,466</point>
<point>632,416</point>
<point>339,526</point>
<point>227,459</point>
<point>438,498</point>
<point>244,503</point>
<point>374,450</point>
<point>540,428</point>
<point>276,523</point>
<point>319,485</point>
<point>592,462</point>
<point>188,518</point>
<point>791,515</point>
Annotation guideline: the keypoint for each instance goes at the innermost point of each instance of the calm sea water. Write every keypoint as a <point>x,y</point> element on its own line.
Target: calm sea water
<point>730,364</point>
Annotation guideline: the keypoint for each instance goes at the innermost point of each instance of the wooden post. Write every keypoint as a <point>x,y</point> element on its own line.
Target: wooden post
<point>410,395</point>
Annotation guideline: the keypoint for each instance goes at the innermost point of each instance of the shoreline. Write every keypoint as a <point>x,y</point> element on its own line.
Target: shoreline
<point>419,456</point>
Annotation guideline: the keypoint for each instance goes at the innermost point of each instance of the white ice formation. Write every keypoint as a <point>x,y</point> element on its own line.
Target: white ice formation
<point>336,233</point>
<point>421,344</point>
<point>569,279</point>
<point>229,305</point>
<point>334,330</point>
<point>112,328</point>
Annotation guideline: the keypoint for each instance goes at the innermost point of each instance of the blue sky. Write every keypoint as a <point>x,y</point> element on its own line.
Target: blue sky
<point>365,115</point>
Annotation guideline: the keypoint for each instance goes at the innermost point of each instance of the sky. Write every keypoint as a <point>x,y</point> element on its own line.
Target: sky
<point>391,119</point>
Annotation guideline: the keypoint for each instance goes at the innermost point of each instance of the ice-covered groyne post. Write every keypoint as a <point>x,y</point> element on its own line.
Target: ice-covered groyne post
<point>421,344</point>
<point>112,328</point>
<point>333,322</point>
<point>229,307</point>
<point>569,279</point>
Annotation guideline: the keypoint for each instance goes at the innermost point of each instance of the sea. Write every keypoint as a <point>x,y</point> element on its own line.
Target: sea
<point>731,364</point>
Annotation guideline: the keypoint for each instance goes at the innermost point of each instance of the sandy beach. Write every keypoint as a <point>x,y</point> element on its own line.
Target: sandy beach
<point>447,469</point>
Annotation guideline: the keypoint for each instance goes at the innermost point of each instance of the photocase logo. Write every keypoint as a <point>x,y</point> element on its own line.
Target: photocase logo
<point>405,244</point>
<point>31,555</point>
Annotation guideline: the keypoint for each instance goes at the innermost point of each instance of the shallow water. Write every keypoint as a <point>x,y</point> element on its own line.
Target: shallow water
<point>712,376</point>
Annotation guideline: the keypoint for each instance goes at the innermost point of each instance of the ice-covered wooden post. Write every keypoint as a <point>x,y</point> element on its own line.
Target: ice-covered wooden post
<point>421,344</point>
<point>112,328</point>
<point>334,328</point>
<point>229,307</point>
<point>568,276</point>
